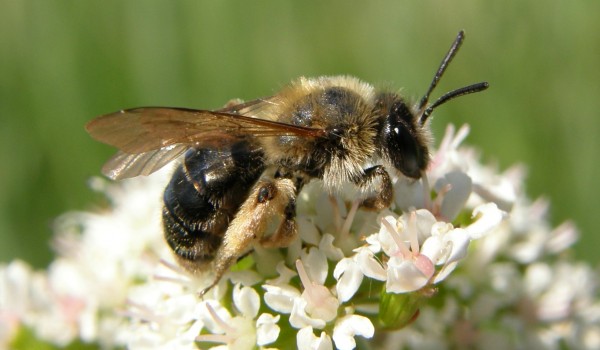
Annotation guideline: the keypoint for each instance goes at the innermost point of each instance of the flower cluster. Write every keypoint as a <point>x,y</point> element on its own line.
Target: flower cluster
<point>462,259</point>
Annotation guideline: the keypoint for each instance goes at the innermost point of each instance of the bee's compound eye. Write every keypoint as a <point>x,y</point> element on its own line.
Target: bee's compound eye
<point>401,142</point>
<point>266,193</point>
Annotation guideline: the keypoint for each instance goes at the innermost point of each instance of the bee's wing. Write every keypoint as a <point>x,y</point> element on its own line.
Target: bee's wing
<point>125,165</point>
<point>248,107</point>
<point>150,137</point>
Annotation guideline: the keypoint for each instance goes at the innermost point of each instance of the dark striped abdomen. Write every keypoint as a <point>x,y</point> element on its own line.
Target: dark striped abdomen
<point>204,195</point>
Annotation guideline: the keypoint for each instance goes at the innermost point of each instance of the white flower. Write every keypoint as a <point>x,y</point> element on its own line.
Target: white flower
<point>349,275</point>
<point>348,327</point>
<point>267,329</point>
<point>488,217</point>
<point>306,340</point>
<point>453,191</point>
<point>365,260</point>
<point>317,306</point>
<point>507,282</point>
<point>159,311</point>
<point>15,298</point>
<point>416,243</point>
<point>244,331</point>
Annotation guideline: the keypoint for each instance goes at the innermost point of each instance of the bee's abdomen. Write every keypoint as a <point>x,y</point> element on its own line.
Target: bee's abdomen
<point>204,195</point>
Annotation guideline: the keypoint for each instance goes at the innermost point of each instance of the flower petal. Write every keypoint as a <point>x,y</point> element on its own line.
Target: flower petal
<point>315,264</point>
<point>404,276</point>
<point>331,252</point>
<point>454,199</point>
<point>246,300</point>
<point>349,326</point>
<point>460,240</point>
<point>306,340</point>
<point>409,194</point>
<point>489,217</point>
<point>433,248</point>
<point>444,272</point>
<point>280,298</point>
<point>349,277</point>
<point>299,318</point>
<point>369,265</point>
<point>267,329</point>
<point>425,221</point>
<point>308,231</point>
<point>285,275</point>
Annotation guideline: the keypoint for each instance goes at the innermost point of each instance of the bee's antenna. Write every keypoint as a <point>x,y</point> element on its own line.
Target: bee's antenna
<point>426,112</point>
<point>449,56</point>
<point>451,95</point>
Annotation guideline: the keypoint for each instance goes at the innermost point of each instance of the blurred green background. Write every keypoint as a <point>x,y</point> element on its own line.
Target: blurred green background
<point>64,62</point>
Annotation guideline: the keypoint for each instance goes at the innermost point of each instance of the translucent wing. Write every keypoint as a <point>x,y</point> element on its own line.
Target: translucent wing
<point>124,165</point>
<point>150,128</point>
<point>150,137</point>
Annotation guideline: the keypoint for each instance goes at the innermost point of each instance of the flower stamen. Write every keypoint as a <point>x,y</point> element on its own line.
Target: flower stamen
<point>413,236</point>
<point>426,190</point>
<point>218,320</point>
<point>395,234</point>
<point>320,303</point>
<point>337,217</point>
<point>437,203</point>
<point>349,219</point>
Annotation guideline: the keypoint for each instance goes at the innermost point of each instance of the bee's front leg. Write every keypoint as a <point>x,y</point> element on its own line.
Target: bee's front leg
<point>377,181</point>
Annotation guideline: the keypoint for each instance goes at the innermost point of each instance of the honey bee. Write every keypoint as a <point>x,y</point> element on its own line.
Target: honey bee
<point>244,164</point>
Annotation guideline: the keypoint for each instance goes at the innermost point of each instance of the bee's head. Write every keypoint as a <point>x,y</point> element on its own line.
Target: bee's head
<point>404,135</point>
<point>403,140</point>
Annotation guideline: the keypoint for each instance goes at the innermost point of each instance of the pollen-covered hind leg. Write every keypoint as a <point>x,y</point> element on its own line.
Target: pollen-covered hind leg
<point>376,180</point>
<point>267,199</point>
<point>286,232</point>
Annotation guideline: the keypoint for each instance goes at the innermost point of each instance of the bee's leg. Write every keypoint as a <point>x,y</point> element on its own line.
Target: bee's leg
<point>376,180</point>
<point>287,230</point>
<point>266,199</point>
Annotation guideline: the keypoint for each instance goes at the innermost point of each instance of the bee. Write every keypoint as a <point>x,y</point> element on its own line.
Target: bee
<point>243,165</point>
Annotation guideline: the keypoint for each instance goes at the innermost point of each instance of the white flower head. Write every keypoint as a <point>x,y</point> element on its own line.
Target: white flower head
<point>473,241</point>
<point>415,244</point>
<point>244,331</point>
<point>317,306</point>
